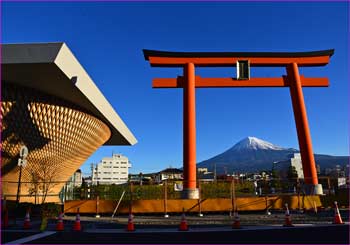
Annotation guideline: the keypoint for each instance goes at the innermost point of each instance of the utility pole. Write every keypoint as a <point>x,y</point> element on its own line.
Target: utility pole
<point>140,176</point>
<point>92,170</point>
<point>166,215</point>
<point>233,196</point>
<point>215,172</point>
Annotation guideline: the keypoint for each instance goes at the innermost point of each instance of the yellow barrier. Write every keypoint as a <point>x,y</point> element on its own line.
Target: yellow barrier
<point>207,205</point>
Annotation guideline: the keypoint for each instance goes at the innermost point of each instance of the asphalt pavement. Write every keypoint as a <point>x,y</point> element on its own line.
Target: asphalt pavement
<point>303,234</point>
<point>256,228</point>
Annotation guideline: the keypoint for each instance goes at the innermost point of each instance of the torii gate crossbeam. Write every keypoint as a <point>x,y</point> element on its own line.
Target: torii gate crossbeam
<point>189,82</point>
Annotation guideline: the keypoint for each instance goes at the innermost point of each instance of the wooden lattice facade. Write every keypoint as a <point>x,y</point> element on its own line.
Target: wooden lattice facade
<point>59,135</point>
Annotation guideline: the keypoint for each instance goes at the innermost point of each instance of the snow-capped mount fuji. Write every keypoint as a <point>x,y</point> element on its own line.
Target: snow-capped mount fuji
<point>253,143</point>
<point>252,154</point>
<point>249,154</point>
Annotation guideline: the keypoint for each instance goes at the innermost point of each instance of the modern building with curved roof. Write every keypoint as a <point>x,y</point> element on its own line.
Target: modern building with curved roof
<point>51,105</point>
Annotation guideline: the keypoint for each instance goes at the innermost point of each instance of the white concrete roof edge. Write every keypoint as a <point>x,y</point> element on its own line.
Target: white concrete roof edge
<point>71,67</point>
<point>60,55</point>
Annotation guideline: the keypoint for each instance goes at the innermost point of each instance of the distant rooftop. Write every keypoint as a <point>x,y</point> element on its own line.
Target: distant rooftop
<point>171,171</point>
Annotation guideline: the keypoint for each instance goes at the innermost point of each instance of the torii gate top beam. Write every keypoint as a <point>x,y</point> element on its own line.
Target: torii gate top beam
<point>229,59</point>
<point>224,59</point>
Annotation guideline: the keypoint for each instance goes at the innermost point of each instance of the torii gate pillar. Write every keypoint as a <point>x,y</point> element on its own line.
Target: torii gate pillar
<point>189,134</point>
<point>303,131</point>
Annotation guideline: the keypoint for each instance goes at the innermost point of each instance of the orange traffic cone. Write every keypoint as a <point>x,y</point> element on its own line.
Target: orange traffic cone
<point>183,224</point>
<point>130,226</point>
<point>237,221</point>
<point>60,226</point>
<point>26,224</point>
<point>77,226</point>
<point>288,219</point>
<point>337,217</point>
<point>5,219</point>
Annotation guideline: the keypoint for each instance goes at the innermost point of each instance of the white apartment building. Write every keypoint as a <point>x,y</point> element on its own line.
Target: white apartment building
<point>111,170</point>
<point>296,162</point>
<point>283,166</point>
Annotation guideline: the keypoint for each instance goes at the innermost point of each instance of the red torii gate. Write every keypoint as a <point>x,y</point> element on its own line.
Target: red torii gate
<point>290,60</point>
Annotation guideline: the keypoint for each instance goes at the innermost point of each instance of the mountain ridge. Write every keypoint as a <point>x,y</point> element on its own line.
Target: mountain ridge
<point>253,154</point>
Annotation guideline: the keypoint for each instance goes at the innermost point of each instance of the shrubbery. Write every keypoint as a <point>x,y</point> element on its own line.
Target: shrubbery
<point>50,209</point>
<point>47,209</point>
<point>146,192</point>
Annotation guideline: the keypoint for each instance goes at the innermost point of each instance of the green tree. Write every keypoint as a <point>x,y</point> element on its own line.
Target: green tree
<point>292,173</point>
<point>275,181</point>
<point>43,180</point>
<point>34,185</point>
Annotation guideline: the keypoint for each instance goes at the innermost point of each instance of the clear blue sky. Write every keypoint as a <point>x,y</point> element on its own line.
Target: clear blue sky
<point>108,38</point>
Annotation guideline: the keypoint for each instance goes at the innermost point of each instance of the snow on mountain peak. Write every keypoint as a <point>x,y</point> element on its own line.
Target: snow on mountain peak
<point>254,143</point>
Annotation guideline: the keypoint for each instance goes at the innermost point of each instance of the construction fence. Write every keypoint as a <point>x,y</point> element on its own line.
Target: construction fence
<point>167,189</point>
<point>171,189</point>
